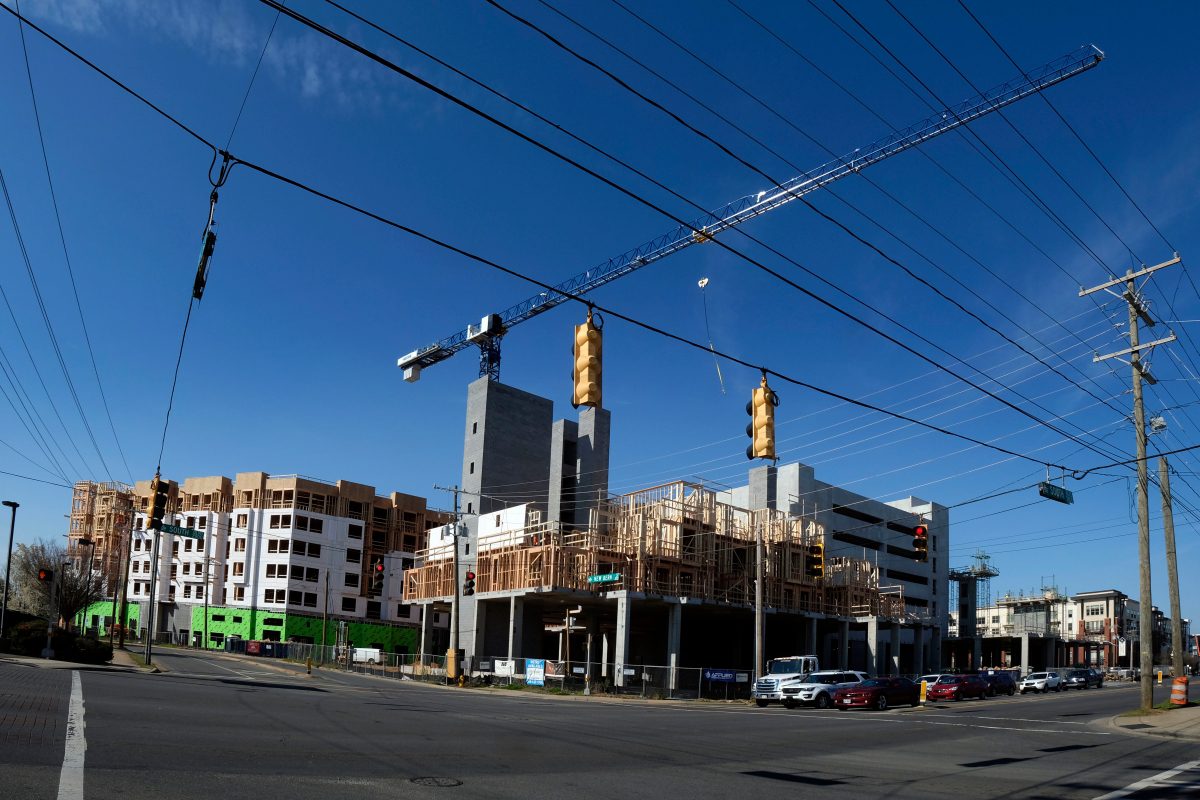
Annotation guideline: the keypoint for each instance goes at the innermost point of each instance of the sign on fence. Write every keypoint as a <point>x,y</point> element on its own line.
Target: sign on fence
<point>720,675</point>
<point>535,671</point>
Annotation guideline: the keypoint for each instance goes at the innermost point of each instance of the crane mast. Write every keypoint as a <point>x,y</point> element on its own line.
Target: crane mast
<point>488,333</point>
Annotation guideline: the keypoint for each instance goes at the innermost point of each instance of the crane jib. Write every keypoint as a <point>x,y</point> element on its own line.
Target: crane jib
<point>750,206</point>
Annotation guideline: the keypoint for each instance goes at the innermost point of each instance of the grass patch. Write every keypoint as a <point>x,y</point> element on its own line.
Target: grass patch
<point>138,658</point>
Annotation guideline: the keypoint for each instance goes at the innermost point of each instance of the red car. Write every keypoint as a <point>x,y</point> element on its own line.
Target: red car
<point>878,693</point>
<point>956,687</point>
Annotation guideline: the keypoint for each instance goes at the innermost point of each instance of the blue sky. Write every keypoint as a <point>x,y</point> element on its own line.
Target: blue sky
<point>290,360</point>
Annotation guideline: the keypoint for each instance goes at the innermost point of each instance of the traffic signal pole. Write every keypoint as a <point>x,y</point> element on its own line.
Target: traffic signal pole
<point>454,602</point>
<point>1138,309</point>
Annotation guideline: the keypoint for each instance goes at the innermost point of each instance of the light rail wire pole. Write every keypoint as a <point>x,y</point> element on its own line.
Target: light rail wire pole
<point>1139,370</point>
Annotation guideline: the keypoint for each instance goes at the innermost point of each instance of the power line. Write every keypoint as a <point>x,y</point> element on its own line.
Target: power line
<point>62,237</point>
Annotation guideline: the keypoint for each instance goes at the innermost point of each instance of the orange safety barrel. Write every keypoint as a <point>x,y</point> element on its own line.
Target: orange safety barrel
<point>1179,691</point>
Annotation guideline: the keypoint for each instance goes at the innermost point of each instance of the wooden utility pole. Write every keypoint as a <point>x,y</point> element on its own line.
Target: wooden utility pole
<point>1164,484</point>
<point>1138,309</point>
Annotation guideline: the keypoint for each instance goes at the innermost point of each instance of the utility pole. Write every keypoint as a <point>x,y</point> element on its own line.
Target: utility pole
<point>758,599</point>
<point>150,615</point>
<point>454,602</point>
<point>12,505</point>
<point>1164,482</point>
<point>1138,308</point>
<point>325,617</point>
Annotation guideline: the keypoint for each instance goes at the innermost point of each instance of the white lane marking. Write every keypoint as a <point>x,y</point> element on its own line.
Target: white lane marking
<point>1153,781</point>
<point>1014,719</point>
<point>70,779</point>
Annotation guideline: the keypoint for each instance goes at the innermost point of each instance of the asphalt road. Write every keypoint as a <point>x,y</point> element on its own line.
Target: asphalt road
<point>231,728</point>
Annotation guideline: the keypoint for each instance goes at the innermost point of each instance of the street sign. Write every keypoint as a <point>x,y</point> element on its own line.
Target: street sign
<point>1056,493</point>
<point>535,671</point>
<point>178,531</point>
<point>607,577</point>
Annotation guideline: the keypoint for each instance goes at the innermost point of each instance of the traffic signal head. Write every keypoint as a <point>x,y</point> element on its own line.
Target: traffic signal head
<point>45,575</point>
<point>814,561</point>
<point>377,571</point>
<point>588,342</point>
<point>159,490</point>
<point>468,583</point>
<point>761,429</point>
<point>921,542</point>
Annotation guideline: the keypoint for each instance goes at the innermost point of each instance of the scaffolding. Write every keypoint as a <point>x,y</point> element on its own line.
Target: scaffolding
<point>102,515</point>
<point>670,540</point>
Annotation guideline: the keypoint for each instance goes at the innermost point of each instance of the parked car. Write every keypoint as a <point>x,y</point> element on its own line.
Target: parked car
<point>1041,682</point>
<point>878,693</point>
<point>930,680</point>
<point>957,687</point>
<point>818,688</point>
<point>1000,682</point>
<point>1076,679</point>
<point>1095,677</point>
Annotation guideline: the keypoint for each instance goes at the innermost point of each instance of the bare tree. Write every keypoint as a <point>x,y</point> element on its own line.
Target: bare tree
<point>73,589</point>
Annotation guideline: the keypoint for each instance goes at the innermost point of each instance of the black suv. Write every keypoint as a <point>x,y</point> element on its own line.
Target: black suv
<point>1000,683</point>
<point>1079,679</point>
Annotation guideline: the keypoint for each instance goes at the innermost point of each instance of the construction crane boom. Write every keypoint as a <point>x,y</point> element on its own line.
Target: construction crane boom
<point>491,328</point>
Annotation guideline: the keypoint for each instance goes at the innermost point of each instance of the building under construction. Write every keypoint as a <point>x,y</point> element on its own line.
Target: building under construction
<point>667,575</point>
<point>101,519</point>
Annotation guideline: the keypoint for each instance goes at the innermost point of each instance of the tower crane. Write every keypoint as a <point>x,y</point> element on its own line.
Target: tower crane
<point>491,329</point>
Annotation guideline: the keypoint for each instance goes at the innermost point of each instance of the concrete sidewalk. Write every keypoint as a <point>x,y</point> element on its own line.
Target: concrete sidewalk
<point>121,662</point>
<point>1179,723</point>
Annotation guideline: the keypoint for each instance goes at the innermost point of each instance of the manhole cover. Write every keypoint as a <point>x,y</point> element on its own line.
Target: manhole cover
<point>441,782</point>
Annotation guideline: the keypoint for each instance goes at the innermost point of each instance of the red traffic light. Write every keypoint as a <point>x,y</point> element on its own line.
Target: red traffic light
<point>45,575</point>
<point>920,531</point>
<point>379,566</point>
<point>470,575</point>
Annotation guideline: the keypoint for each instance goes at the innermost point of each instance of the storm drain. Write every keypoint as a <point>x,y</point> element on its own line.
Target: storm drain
<point>438,782</point>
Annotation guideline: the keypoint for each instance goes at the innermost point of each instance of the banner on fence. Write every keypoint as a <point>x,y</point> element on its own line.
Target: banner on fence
<point>535,671</point>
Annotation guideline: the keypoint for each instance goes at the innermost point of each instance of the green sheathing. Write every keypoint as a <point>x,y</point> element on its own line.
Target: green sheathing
<point>231,623</point>
<point>390,638</point>
<point>104,609</point>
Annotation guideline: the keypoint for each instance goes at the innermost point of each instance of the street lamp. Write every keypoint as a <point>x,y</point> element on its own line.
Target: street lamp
<point>12,526</point>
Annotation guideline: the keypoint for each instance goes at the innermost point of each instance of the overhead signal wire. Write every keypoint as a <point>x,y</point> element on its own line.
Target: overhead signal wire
<point>36,480</point>
<point>62,237</point>
<point>830,190</point>
<point>29,413</point>
<point>650,101</point>
<point>232,160</point>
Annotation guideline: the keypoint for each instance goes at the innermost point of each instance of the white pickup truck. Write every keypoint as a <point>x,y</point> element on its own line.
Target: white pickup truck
<point>781,672</point>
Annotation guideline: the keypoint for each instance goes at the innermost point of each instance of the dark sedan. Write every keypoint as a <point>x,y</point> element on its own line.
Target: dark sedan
<point>957,687</point>
<point>878,693</point>
<point>1000,682</point>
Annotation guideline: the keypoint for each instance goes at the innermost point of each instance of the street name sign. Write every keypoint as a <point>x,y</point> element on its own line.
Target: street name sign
<point>1055,493</point>
<point>178,531</point>
<point>607,577</point>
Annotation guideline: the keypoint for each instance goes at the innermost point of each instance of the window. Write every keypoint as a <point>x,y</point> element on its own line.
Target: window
<point>174,568</point>
<point>269,596</point>
<point>203,522</point>
<point>187,590</point>
<point>297,572</point>
<point>301,523</point>
<point>218,617</point>
<point>145,566</point>
<point>271,570</point>
<point>352,579</point>
<point>239,569</point>
<point>497,520</point>
<point>299,548</point>
<point>400,612</point>
<point>470,510</point>
<point>186,568</point>
<point>374,609</point>
<point>350,604</point>
<point>199,593</point>
<point>316,526</point>
<point>355,532</point>
<point>472,469</point>
<point>294,597</point>
<point>314,550</point>
<point>353,556</point>
<point>187,546</point>
<point>174,548</point>
<point>274,546</point>
<point>474,428</point>
<point>239,594</point>
<point>136,566</point>
<point>237,620</point>
<point>242,520</point>
<point>274,622</point>
<point>312,575</point>
<point>310,599</point>
<point>239,545</point>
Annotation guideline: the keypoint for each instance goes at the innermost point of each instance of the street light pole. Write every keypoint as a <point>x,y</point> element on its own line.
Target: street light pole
<point>12,527</point>
<point>87,590</point>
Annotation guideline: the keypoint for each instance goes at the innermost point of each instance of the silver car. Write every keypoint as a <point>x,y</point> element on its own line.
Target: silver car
<point>1041,682</point>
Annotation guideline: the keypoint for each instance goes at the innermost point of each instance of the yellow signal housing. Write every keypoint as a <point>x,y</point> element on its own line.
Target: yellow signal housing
<point>762,422</point>
<point>588,340</point>
<point>159,495</point>
<point>814,566</point>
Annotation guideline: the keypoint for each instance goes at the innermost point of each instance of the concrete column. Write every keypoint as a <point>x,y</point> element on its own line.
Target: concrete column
<point>622,639</point>
<point>919,649</point>
<point>1025,666</point>
<point>895,665</point>
<point>844,645</point>
<point>976,652</point>
<point>604,655</point>
<point>516,630</point>
<point>674,626</point>
<point>427,630</point>
<point>810,640</point>
<point>873,665</point>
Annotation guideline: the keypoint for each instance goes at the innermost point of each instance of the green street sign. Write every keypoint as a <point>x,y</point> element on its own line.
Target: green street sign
<point>608,577</point>
<point>1056,493</point>
<point>178,531</point>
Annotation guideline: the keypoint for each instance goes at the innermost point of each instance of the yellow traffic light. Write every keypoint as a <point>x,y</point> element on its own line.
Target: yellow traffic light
<point>587,364</point>
<point>159,490</point>
<point>814,561</point>
<point>761,429</point>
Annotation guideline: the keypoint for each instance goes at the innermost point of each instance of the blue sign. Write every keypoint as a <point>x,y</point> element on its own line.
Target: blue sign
<point>720,675</point>
<point>535,671</point>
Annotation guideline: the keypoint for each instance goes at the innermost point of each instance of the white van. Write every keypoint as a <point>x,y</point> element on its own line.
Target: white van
<point>367,655</point>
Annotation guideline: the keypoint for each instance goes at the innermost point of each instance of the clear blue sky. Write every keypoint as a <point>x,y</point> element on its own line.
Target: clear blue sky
<point>290,359</point>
